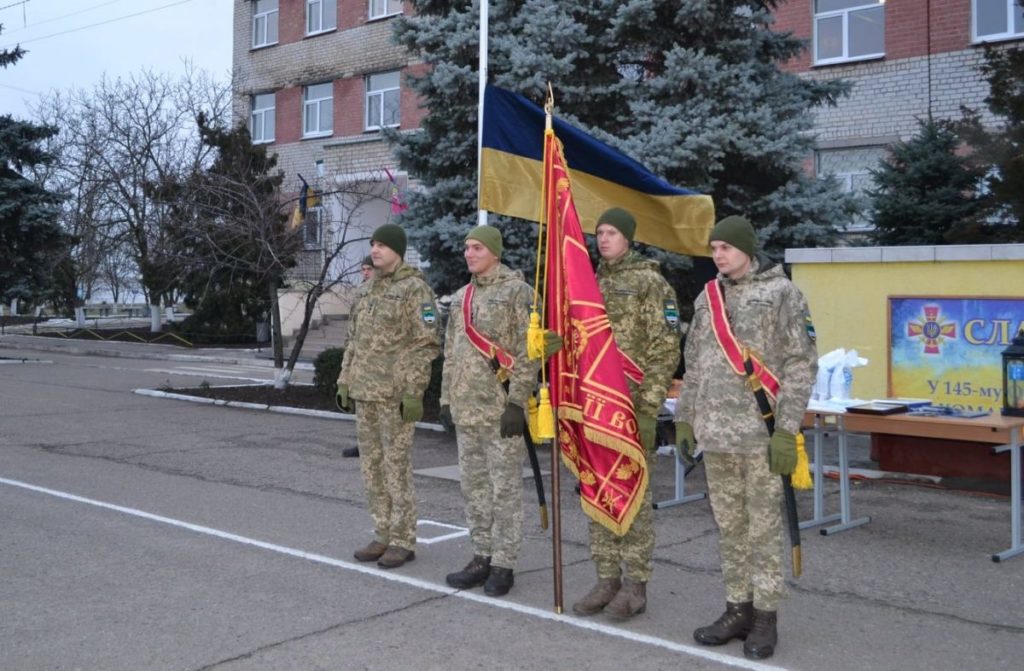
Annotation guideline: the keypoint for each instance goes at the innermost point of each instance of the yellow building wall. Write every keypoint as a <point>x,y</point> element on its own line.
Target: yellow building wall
<point>849,302</point>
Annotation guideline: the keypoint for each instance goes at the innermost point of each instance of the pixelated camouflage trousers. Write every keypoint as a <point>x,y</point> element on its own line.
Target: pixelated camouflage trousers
<point>629,554</point>
<point>746,499</point>
<point>491,471</point>
<point>385,446</point>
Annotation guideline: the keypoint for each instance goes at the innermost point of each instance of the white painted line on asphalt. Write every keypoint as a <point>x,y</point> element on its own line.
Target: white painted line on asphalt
<point>184,373</point>
<point>539,613</point>
<point>458,532</point>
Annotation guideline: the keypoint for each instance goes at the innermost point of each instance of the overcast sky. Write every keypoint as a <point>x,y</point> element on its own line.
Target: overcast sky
<point>72,43</point>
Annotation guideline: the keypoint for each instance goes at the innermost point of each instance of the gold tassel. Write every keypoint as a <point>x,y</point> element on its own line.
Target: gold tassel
<point>802,474</point>
<point>531,417</point>
<point>545,417</point>
<point>535,337</point>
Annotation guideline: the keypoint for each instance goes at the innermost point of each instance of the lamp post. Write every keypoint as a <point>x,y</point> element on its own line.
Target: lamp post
<point>1013,377</point>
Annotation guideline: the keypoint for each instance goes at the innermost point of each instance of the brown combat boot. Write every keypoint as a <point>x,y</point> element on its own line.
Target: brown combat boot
<point>371,552</point>
<point>630,600</point>
<point>735,622</point>
<point>763,636</point>
<point>395,556</point>
<point>599,596</point>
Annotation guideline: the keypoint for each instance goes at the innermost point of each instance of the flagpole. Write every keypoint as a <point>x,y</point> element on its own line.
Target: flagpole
<point>481,215</point>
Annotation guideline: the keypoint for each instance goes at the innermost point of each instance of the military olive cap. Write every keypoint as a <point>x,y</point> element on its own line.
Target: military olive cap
<point>489,236</point>
<point>620,219</point>
<point>391,235</point>
<point>738,232</point>
<point>367,261</point>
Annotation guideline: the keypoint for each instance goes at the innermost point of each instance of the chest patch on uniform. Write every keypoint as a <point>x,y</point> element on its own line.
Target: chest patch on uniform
<point>810,326</point>
<point>671,314</point>
<point>427,313</point>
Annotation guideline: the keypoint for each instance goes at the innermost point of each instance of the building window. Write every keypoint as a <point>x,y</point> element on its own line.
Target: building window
<point>852,167</point>
<point>382,100</point>
<point>311,228</point>
<point>264,23</point>
<point>383,8</point>
<point>321,16</point>
<point>317,109</point>
<point>847,30</point>
<point>997,19</point>
<point>261,123</point>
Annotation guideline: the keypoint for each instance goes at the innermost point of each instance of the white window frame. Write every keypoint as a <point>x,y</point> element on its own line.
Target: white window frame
<point>382,9</point>
<point>320,105</point>
<point>321,16</point>
<point>1009,34</point>
<point>845,14</point>
<point>380,95</point>
<point>262,22</point>
<point>258,119</point>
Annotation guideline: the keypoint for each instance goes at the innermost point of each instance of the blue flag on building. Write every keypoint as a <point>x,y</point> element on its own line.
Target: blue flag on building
<point>512,174</point>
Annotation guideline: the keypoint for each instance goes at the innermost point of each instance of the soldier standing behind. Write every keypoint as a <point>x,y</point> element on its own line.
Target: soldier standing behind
<point>487,380</point>
<point>366,271</point>
<point>768,314</point>
<point>645,321</point>
<point>392,339</point>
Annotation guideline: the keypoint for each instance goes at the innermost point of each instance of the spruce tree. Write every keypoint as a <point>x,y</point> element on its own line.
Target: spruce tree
<point>1000,150</point>
<point>31,242</point>
<point>691,90</point>
<point>925,191</point>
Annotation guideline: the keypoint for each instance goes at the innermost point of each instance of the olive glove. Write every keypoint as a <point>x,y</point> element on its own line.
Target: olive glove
<point>341,398</point>
<point>513,421</point>
<point>782,453</point>
<point>648,427</point>
<point>552,343</point>
<point>411,408</point>
<point>686,443</point>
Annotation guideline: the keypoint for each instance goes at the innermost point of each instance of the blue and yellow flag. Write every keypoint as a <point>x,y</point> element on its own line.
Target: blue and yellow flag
<point>512,175</point>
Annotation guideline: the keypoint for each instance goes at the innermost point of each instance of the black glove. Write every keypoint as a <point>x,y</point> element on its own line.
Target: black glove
<point>445,417</point>
<point>513,421</point>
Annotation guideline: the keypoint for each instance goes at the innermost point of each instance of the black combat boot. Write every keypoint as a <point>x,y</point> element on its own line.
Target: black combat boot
<point>474,575</point>
<point>735,622</point>
<point>499,582</point>
<point>763,636</point>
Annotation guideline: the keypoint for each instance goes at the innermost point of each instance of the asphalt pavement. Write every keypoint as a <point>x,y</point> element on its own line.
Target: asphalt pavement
<point>147,533</point>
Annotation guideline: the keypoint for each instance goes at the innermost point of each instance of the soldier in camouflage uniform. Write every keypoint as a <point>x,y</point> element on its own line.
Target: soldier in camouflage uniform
<point>392,339</point>
<point>718,411</point>
<point>488,415</point>
<point>645,321</point>
<point>366,271</point>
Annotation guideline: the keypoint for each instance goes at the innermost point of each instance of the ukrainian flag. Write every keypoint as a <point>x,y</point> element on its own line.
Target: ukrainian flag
<point>512,174</point>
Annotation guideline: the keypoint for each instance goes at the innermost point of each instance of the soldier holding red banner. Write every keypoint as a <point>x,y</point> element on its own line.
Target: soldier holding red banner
<point>485,385</point>
<point>644,318</point>
<point>753,307</point>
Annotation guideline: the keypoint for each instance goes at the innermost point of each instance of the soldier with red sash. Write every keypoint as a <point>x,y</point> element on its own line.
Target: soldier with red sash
<point>750,306</point>
<point>485,385</point>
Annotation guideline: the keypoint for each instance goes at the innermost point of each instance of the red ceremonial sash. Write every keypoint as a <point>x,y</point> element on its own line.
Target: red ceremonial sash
<point>597,428</point>
<point>490,350</point>
<point>731,347</point>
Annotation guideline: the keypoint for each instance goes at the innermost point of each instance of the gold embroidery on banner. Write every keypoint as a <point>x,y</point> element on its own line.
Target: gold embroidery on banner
<point>609,500</point>
<point>587,478</point>
<point>628,470</point>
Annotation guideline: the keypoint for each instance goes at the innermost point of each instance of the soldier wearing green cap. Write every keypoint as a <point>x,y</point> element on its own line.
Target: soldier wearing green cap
<point>644,317</point>
<point>486,382</point>
<point>717,410</point>
<point>366,271</point>
<point>392,339</point>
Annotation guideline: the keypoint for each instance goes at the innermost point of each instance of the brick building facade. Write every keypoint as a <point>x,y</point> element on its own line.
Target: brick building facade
<point>316,80</point>
<point>907,59</point>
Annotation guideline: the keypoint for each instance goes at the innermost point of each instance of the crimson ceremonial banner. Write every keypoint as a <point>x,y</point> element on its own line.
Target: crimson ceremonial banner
<point>597,429</point>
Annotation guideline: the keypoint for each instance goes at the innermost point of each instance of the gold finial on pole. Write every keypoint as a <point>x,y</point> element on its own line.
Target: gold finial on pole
<point>549,107</point>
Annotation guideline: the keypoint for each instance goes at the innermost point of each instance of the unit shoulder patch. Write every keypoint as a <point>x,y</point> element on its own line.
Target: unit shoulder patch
<point>427,313</point>
<point>671,312</point>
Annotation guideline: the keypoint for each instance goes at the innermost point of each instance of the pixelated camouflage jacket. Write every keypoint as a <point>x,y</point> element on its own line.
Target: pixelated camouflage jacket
<point>768,314</point>
<point>644,315</point>
<point>500,311</point>
<point>392,337</point>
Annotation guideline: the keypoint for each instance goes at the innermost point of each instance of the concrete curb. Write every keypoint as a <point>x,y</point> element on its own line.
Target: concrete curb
<point>283,409</point>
